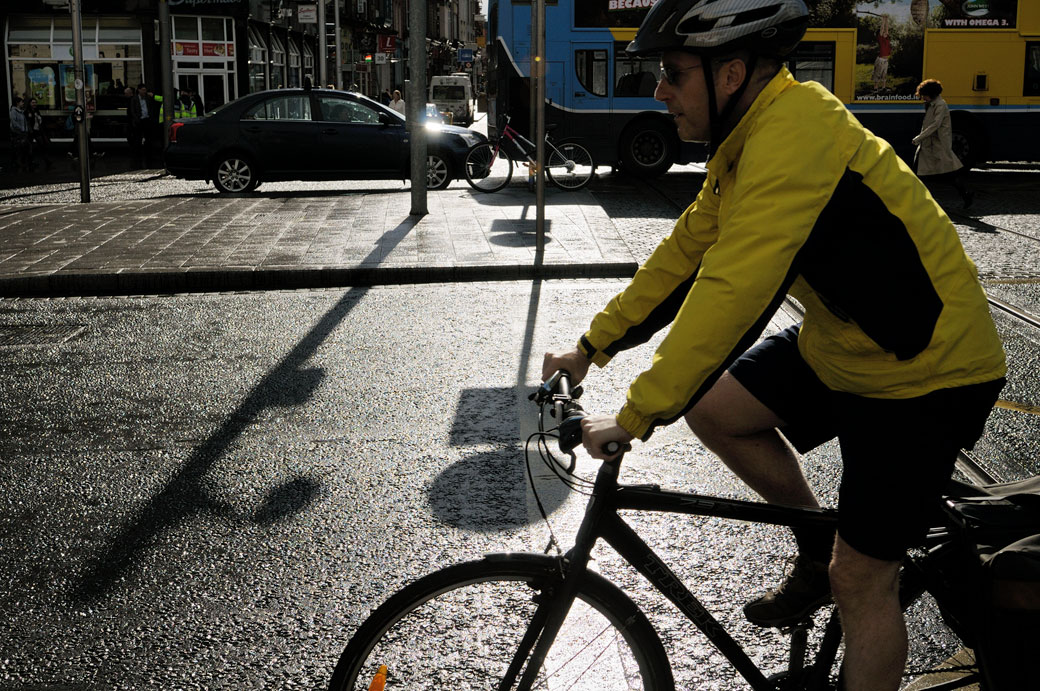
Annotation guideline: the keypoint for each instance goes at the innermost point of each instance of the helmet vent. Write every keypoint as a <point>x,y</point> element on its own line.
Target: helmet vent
<point>756,15</point>
<point>695,25</point>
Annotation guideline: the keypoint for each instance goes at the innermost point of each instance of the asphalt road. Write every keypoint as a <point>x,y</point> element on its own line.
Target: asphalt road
<point>211,491</point>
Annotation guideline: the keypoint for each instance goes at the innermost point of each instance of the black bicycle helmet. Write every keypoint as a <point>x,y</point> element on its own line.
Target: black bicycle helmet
<point>765,28</point>
<point>711,27</point>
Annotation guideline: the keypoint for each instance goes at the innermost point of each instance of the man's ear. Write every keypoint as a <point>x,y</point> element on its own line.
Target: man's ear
<point>731,76</point>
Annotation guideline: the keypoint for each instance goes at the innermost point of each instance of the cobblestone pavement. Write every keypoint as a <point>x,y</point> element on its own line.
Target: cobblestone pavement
<point>145,224</point>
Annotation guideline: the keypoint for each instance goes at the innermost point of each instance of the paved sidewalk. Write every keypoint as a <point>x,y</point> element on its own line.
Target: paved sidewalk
<point>188,243</point>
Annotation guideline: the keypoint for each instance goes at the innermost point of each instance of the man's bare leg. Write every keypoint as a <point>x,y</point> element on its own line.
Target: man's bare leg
<point>741,431</point>
<point>867,592</point>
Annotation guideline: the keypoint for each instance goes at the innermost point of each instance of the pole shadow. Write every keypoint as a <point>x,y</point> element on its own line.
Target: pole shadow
<point>291,383</point>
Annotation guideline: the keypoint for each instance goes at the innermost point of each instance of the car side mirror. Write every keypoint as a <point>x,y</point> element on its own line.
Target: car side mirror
<point>385,119</point>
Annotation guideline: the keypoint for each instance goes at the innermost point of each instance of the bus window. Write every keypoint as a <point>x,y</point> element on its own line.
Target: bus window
<point>635,76</point>
<point>1032,81</point>
<point>813,61</point>
<point>591,66</point>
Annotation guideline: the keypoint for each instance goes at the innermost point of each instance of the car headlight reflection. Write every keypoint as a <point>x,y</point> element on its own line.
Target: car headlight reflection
<point>470,138</point>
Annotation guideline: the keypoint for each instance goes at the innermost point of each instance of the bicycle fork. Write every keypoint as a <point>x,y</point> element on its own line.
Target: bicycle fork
<point>553,609</point>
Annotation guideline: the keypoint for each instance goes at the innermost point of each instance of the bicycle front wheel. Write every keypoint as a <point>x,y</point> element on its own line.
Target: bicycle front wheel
<point>570,166</point>
<point>488,169</point>
<point>460,627</point>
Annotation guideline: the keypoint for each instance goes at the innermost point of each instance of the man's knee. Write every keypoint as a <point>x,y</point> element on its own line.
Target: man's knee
<point>729,410</point>
<point>857,578</point>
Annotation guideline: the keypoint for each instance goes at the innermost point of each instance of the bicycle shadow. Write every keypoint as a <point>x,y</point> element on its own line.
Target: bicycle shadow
<point>487,491</point>
<point>291,383</point>
<point>522,232</point>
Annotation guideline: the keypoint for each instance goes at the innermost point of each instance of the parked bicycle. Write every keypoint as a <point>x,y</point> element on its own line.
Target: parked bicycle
<point>489,165</point>
<point>535,621</point>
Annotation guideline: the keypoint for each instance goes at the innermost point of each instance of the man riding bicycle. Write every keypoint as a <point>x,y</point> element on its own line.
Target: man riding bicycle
<point>897,355</point>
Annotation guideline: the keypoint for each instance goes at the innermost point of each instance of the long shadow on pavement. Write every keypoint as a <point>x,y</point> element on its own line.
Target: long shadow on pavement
<point>290,383</point>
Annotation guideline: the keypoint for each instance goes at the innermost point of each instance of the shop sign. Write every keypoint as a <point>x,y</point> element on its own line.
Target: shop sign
<point>217,50</point>
<point>203,3</point>
<point>387,44</point>
<point>381,58</point>
<point>185,48</point>
<point>307,14</point>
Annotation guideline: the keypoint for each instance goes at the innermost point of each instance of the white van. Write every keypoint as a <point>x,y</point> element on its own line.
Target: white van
<point>453,93</point>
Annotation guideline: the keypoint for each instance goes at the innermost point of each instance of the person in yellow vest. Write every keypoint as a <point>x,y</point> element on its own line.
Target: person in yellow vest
<point>185,107</point>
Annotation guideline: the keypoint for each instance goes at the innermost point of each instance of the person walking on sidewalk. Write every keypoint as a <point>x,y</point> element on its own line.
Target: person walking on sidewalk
<point>901,366</point>
<point>40,142</point>
<point>21,143</point>
<point>935,160</point>
<point>397,103</point>
<point>144,119</point>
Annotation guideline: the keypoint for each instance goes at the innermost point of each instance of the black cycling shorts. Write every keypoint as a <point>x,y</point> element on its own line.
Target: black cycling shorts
<point>897,454</point>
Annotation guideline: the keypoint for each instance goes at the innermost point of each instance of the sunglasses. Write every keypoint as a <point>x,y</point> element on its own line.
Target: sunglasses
<point>671,74</point>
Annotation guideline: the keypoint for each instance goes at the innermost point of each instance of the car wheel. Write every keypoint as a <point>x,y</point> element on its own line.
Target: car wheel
<point>438,172</point>
<point>234,173</point>
<point>648,148</point>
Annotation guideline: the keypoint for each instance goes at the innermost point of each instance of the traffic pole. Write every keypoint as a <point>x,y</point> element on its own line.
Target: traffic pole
<point>540,131</point>
<point>166,66</point>
<point>79,113</point>
<point>415,104</point>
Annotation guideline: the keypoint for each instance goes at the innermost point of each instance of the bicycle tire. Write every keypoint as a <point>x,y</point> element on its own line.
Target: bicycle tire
<point>488,170</point>
<point>457,606</point>
<point>573,166</point>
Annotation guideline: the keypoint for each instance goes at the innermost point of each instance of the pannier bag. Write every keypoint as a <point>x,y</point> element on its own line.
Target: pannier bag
<point>1001,528</point>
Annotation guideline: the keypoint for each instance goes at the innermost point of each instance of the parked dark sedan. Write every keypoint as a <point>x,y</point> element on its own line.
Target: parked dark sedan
<point>308,134</point>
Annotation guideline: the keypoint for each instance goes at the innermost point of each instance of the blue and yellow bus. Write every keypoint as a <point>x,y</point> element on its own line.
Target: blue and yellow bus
<point>870,53</point>
<point>595,93</point>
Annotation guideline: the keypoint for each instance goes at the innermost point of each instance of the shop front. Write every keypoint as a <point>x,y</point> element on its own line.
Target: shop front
<point>204,58</point>
<point>40,66</point>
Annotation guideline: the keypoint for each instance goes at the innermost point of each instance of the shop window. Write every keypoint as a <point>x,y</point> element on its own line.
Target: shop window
<point>118,30</point>
<point>277,62</point>
<point>29,30</point>
<point>186,28</point>
<point>62,30</point>
<point>212,29</point>
<point>42,66</point>
<point>29,50</point>
<point>591,66</point>
<point>294,63</point>
<point>813,61</point>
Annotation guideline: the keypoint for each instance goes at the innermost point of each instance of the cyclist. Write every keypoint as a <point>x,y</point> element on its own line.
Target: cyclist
<point>897,355</point>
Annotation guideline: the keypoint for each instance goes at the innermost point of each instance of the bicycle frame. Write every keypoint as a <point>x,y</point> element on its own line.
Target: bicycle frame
<point>523,145</point>
<point>603,522</point>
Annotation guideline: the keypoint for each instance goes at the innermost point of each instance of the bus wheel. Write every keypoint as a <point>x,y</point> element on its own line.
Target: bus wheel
<point>647,149</point>
<point>968,144</point>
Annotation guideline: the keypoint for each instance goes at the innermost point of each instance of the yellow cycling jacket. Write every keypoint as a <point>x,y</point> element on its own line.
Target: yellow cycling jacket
<point>801,199</point>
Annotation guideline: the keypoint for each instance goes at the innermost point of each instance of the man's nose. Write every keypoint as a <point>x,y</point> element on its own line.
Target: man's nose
<point>661,92</point>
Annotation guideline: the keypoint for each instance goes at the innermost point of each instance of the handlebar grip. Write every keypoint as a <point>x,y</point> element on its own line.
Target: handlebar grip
<point>613,447</point>
<point>570,431</point>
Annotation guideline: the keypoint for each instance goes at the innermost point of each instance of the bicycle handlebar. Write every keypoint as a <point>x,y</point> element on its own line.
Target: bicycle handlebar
<point>566,408</point>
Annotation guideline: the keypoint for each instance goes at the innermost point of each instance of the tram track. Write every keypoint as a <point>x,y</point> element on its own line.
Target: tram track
<point>968,464</point>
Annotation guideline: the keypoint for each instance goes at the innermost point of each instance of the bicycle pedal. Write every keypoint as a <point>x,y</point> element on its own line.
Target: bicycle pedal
<point>799,628</point>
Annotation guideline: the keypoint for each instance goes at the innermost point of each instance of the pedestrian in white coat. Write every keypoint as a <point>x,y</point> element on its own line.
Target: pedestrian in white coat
<point>935,160</point>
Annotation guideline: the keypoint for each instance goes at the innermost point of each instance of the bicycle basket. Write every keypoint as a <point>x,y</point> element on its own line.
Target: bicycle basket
<point>1001,529</point>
